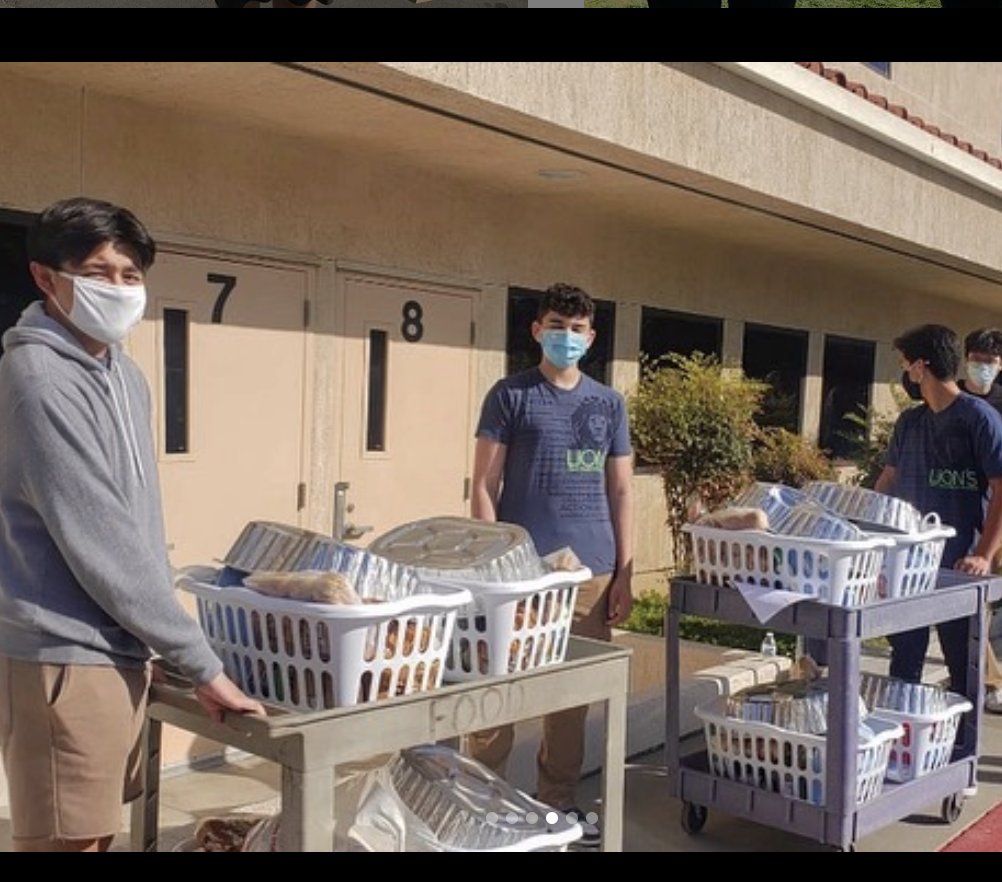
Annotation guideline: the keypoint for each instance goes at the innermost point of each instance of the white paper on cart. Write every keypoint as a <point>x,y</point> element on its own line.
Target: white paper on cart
<point>766,602</point>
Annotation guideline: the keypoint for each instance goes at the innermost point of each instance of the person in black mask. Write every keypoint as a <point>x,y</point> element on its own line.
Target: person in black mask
<point>945,456</point>
<point>983,354</point>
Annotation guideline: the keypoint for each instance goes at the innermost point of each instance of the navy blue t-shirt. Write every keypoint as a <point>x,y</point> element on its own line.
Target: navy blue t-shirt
<point>554,475</point>
<point>943,462</point>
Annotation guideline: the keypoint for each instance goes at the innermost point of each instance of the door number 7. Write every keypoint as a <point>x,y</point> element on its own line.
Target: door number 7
<point>228,283</point>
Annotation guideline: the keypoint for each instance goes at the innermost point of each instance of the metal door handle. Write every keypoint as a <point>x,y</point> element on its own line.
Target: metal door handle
<point>351,531</point>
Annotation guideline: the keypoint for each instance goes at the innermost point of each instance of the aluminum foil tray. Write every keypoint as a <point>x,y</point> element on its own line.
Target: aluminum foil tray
<point>868,508</point>
<point>469,807</point>
<point>774,499</point>
<point>796,705</point>
<point>462,548</point>
<point>893,694</point>
<point>265,545</point>
<point>813,521</point>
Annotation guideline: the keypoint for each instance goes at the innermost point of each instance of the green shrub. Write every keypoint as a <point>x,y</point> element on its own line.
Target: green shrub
<point>870,436</point>
<point>783,457</point>
<point>694,422</point>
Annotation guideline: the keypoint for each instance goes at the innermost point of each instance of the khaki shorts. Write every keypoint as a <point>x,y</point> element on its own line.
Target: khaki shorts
<point>69,735</point>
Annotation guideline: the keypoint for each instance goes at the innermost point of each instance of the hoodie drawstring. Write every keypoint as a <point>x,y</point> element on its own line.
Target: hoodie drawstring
<point>126,422</point>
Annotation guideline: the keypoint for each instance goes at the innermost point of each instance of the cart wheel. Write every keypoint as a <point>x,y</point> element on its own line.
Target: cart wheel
<point>693,817</point>
<point>952,807</point>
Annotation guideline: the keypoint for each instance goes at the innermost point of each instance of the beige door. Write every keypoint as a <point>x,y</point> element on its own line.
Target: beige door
<point>229,402</point>
<point>406,438</point>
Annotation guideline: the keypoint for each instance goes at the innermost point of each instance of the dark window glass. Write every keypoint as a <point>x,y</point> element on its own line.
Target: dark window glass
<point>375,426</point>
<point>523,352</point>
<point>663,331</point>
<point>847,378</point>
<point>17,289</point>
<point>777,356</point>
<point>881,67</point>
<point>176,380</point>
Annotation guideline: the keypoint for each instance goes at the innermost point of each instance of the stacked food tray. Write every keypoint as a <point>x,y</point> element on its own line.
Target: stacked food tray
<point>841,545</point>
<point>466,807</point>
<point>929,717</point>
<point>911,563</point>
<point>746,743</point>
<point>841,573</point>
<point>520,615</point>
<point>313,656</point>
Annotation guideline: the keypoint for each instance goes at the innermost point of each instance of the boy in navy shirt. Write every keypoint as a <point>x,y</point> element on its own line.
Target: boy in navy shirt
<point>945,456</point>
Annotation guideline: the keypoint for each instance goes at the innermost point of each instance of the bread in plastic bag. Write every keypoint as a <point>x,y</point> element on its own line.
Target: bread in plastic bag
<point>313,586</point>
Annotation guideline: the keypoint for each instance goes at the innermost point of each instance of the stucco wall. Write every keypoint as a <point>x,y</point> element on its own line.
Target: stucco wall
<point>193,177</point>
<point>726,134</point>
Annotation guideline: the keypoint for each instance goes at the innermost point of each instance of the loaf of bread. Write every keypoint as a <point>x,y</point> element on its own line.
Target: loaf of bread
<point>226,833</point>
<point>314,586</point>
<point>563,559</point>
<point>735,518</point>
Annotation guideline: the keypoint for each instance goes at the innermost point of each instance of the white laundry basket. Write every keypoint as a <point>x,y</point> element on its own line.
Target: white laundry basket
<point>840,573</point>
<point>787,762</point>
<point>313,656</point>
<point>512,626</point>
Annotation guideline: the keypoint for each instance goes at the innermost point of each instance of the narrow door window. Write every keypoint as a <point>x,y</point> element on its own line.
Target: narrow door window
<point>175,380</point>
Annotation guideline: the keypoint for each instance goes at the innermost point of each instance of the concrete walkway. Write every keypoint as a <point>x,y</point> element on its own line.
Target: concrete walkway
<point>652,818</point>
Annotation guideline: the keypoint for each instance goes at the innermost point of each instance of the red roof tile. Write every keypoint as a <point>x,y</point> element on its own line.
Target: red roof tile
<point>839,78</point>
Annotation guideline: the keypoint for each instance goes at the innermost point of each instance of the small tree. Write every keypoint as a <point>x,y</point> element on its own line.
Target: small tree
<point>871,436</point>
<point>783,457</point>
<point>694,422</point>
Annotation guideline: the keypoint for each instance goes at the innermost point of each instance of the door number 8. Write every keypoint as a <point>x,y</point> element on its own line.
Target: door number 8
<point>411,328</point>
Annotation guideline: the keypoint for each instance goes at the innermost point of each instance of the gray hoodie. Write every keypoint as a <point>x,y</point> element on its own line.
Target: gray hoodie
<point>84,576</point>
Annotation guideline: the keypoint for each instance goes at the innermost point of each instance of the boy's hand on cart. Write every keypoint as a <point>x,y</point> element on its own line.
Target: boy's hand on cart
<point>620,599</point>
<point>974,564</point>
<point>221,694</point>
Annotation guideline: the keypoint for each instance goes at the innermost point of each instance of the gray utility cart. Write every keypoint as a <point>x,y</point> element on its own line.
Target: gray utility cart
<point>839,822</point>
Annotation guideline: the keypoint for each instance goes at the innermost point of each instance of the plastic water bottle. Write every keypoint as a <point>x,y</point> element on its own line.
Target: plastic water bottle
<point>768,647</point>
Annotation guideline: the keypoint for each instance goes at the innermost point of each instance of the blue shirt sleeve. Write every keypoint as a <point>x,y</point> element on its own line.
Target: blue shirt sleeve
<point>496,421</point>
<point>620,445</point>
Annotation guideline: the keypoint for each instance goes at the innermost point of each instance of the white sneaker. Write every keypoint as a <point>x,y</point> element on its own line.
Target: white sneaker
<point>993,701</point>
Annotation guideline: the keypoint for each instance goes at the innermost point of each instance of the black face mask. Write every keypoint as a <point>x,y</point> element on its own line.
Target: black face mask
<point>913,389</point>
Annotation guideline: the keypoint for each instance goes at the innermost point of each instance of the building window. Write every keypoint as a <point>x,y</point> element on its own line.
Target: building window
<point>663,331</point>
<point>881,67</point>
<point>175,380</point>
<point>375,420</point>
<point>845,389</point>
<point>17,289</point>
<point>778,357</point>
<point>523,352</point>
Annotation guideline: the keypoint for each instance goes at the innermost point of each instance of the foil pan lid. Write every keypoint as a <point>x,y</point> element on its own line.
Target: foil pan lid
<point>266,545</point>
<point>468,806</point>
<point>491,551</point>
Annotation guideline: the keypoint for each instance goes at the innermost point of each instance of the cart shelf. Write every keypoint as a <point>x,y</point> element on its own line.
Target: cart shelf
<point>840,822</point>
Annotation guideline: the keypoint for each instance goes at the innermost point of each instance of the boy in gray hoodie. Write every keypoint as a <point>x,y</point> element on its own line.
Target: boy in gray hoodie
<point>85,586</point>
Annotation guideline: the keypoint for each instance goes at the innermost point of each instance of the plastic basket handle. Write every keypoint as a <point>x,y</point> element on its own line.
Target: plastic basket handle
<point>930,521</point>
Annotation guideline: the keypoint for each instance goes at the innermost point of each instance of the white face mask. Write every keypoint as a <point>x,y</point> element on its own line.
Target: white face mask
<point>982,374</point>
<point>104,311</point>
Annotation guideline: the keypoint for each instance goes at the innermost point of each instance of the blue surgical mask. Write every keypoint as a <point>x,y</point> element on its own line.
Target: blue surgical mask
<point>564,348</point>
<point>981,374</point>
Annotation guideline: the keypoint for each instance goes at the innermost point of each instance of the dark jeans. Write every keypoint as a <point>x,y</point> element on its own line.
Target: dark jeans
<point>908,651</point>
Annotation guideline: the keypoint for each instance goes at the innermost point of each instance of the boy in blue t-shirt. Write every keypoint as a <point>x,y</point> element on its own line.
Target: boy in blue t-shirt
<point>945,456</point>
<point>553,455</point>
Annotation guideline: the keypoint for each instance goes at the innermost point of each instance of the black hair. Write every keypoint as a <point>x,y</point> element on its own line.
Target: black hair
<point>986,340</point>
<point>936,345</point>
<point>69,230</point>
<point>568,301</point>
